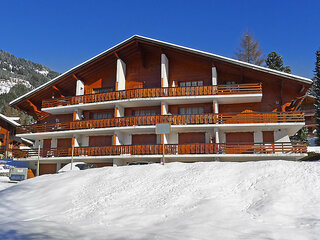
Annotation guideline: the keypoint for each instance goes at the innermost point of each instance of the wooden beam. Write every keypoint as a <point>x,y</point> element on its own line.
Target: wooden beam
<point>75,77</point>
<point>116,54</point>
<point>58,90</point>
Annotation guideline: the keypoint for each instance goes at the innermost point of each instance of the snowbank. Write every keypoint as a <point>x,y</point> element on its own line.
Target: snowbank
<point>4,183</point>
<point>67,167</point>
<point>251,200</point>
<point>314,149</point>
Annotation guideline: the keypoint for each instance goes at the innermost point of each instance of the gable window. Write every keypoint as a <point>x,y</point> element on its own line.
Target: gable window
<point>191,84</point>
<point>191,110</point>
<point>102,90</point>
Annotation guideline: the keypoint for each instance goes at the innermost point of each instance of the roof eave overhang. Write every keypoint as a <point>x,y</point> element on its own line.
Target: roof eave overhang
<point>165,44</point>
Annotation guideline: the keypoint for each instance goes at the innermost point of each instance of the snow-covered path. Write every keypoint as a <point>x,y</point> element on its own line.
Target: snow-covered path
<point>251,200</point>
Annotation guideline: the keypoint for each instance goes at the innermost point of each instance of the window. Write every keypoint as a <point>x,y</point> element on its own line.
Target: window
<point>191,110</point>
<point>145,112</point>
<point>191,84</point>
<point>102,90</point>
<point>231,83</point>
<point>101,115</point>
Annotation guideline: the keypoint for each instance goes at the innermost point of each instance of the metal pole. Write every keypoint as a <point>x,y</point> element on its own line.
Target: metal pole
<point>38,164</point>
<point>72,150</point>
<point>163,149</point>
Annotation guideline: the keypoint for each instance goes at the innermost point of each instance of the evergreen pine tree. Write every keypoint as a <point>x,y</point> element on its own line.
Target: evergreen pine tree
<point>250,51</point>
<point>301,135</point>
<point>274,61</point>
<point>316,89</point>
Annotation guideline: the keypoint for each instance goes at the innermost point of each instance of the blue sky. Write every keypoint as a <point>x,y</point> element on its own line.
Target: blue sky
<point>63,33</point>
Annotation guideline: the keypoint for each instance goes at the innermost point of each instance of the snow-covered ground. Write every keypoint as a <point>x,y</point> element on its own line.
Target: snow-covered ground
<point>250,200</point>
<point>4,183</point>
<point>315,149</point>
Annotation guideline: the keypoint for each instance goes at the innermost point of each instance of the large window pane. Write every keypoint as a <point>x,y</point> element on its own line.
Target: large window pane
<point>195,110</point>
<point>181,111</point>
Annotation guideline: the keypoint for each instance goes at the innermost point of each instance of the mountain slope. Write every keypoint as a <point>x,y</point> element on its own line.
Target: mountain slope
<point>216,200</point>
<point>18,76</point>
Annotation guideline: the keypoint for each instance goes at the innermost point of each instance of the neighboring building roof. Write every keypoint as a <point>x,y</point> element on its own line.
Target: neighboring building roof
<point>27,142</point>
<point>9,120</point>
<point>166,44</point>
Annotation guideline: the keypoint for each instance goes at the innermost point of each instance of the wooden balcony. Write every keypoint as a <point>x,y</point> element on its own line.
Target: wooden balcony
<point>225,118</point>
<point>155,92</point>
<point>170,149</point>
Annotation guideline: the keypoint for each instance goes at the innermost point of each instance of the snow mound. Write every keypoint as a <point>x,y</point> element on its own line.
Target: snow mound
<point>250,200</point>
<point>67,167</point>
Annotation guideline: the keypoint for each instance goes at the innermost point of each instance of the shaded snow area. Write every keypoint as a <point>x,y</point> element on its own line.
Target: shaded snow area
<point>4,183</point>
<point>251,200</point>
<point>6,85</point>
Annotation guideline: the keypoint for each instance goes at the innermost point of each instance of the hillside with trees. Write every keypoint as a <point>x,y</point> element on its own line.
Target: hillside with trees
<point>17,77</point>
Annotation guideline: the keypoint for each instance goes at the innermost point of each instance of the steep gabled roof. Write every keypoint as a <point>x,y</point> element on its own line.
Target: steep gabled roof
<point>169,45</point>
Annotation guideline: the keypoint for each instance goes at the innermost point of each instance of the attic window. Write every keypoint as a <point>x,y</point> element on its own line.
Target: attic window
<point>231,83</point>
<point>102,90</point>
<point>191,84</point>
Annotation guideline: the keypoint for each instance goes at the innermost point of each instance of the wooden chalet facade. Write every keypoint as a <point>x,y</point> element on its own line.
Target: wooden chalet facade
<point>8,140</point>
<point>107,108</point>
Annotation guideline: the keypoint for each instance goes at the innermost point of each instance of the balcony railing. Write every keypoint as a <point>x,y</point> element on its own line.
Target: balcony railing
<point>156,92</point>
<point>170,149</point>
<point>224,118</point>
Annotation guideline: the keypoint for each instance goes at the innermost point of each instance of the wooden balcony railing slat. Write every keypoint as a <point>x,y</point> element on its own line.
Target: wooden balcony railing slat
<point>155,92</point>
<point>170,149</point>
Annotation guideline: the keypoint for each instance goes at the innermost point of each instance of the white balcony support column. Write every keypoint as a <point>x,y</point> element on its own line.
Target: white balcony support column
<point>118,111</point>
<point>164,71</point>
<point>54,143</point>
<point>222,137</point>
<point>77,115</point>
<point>85,141</point>
<point>173,138</point>
<point>257,137</point>
<point>121,138</point>
<point>38,142</point>
<point>76,141</point>
<point>164,108</point>
<point>216,136</point>
<point>214,76</point>
<point>121,75</point>
<point>119,162</point>
<point>79,88</point>
<point>215,107</point>
<point>58,166</point>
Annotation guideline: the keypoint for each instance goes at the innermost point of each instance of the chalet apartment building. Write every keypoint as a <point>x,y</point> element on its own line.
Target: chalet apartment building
<point>105,110</point>
<point>8,139</point>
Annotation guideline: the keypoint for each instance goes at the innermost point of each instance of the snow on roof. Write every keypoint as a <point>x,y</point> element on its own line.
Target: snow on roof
<point>191,50</point>
<point>9,120</point>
